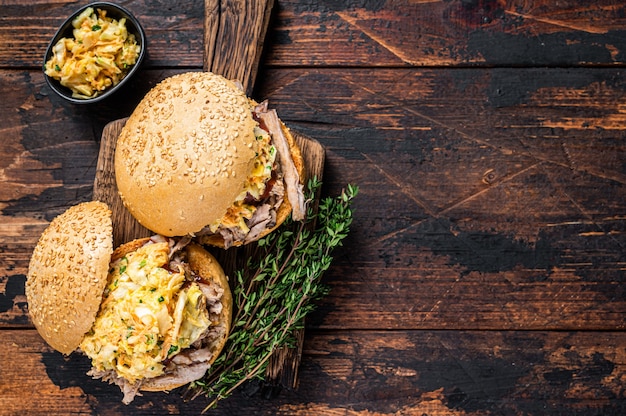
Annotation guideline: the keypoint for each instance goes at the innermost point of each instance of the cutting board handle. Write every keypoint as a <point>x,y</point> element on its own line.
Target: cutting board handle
<point>234,34</point>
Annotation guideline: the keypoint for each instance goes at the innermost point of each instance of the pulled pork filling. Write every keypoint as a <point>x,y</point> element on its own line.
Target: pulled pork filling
<point>148,346</point>
<point>273,178</point>
<point>293,187</point>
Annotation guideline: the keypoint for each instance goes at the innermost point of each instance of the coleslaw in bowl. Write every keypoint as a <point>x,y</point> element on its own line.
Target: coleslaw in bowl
<point>94,52</point>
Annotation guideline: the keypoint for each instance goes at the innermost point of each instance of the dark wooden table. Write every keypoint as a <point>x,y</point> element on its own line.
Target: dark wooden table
<point>485,270</point>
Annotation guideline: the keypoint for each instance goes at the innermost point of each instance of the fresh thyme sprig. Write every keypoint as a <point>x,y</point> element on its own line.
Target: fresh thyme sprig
<point>276,290</point>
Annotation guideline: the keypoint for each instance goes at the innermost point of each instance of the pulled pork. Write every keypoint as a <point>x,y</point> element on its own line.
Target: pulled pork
<point>285,181</point>
<point>191,363</point>
<point>291,176</point>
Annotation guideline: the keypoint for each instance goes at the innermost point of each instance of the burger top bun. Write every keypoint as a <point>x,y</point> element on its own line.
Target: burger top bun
<point>68,273</point>
<point>184,153</point>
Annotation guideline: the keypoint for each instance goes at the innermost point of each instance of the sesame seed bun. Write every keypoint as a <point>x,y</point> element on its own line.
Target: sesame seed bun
<point>183,154</point>
<point>68,272</point>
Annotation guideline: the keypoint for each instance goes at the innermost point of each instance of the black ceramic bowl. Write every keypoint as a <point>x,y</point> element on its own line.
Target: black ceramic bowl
<point>116,12</point>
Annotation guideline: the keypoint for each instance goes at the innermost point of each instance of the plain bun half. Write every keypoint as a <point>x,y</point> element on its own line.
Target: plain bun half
<point>68,272</point>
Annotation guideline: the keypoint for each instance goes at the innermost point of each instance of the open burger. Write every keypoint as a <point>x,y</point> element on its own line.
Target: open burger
<point>152,315</point>
<point>198,157</point>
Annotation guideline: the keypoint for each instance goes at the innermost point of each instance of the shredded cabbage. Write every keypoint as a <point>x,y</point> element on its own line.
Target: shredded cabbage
<point>148,314</point>
<point>98,56</point>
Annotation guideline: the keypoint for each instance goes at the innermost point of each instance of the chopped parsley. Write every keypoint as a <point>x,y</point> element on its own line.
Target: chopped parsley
<point>123,266</point>
<point>172,350</point>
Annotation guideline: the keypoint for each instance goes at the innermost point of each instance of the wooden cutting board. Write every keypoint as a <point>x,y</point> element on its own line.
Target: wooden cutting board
<point>234,35</point>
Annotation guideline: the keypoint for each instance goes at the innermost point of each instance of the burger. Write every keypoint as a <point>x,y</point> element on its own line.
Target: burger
<point>152,315</point>
<point>197,157</point>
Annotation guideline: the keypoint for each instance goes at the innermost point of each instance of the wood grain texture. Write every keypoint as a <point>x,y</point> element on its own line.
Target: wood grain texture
<point>363,373</point>
<point>484,274</point>
<point>490,219</point>
<point>481,197</point>
<point>234,35</point>
<point>358,33</point>
<point>449,33</point>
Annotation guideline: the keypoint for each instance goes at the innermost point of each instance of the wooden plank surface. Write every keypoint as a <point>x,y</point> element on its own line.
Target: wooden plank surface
<point>362,33</point>
<point>479,195</point>
<point>382,373</point>
<point>485,270</point>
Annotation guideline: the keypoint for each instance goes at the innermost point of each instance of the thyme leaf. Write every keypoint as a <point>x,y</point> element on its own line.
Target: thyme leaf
<point>276,290</point>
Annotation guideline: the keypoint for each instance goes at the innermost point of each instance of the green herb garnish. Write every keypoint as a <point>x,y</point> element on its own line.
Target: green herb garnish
<point>95,28</point>
<point>276,290</point>
<point>123,266</point>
